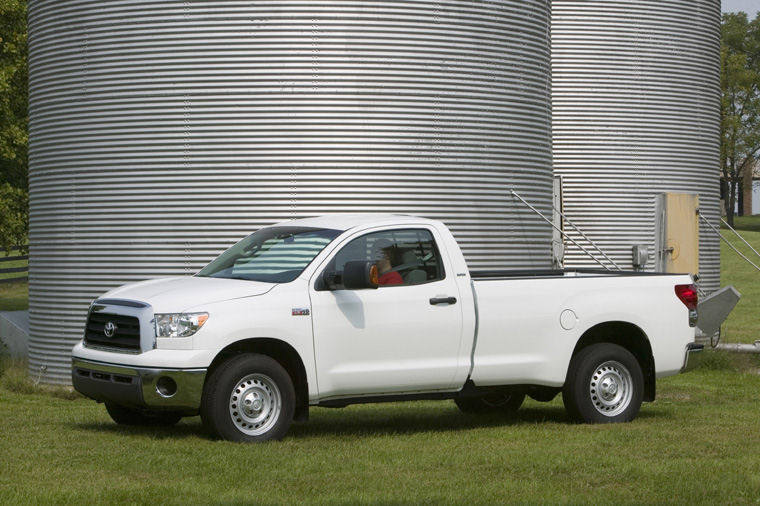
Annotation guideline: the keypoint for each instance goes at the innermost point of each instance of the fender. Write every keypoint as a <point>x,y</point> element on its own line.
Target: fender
<point>279,350</point>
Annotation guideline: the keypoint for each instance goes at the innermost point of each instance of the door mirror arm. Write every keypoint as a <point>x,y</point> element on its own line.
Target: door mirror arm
<point>330,280</point>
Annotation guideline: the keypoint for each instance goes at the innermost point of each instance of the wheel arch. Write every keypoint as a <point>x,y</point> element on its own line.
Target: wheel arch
<point>284,354</point>
<point>630,337</point>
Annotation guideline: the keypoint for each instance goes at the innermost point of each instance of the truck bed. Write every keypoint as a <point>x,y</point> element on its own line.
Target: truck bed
<point>558,273</point>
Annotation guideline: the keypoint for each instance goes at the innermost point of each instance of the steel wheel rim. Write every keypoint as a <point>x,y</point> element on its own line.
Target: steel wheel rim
<point>255,404</point>
<point>611,388</point>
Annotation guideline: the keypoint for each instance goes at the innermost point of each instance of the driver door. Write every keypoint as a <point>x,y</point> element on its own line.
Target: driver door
<point>401,337</point>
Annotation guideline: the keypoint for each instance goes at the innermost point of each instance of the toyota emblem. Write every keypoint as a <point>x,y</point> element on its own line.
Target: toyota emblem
<point>109,329</point>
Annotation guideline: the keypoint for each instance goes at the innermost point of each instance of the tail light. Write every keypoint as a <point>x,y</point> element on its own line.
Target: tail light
<point>690,297</point>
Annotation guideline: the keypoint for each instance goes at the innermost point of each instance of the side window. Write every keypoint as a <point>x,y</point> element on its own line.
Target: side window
<point>403,257</point>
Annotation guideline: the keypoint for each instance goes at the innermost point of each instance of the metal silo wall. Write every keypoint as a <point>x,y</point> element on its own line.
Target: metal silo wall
<point>635,112</point>
<point>161,132</point>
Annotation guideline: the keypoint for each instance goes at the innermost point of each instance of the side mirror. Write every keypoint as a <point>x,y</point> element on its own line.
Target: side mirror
<point>360,274</point>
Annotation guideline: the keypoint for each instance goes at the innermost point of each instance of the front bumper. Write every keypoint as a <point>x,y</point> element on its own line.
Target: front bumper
<point>159,389</point>
<point>693,356</point>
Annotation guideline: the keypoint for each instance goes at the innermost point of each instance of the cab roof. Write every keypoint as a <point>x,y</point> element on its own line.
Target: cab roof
<point>345,222</point>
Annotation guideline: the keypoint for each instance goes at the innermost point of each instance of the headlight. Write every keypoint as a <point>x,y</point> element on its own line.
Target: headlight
<point>179,324</point>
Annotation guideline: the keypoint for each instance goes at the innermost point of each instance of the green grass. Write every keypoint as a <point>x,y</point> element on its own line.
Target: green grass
<point>698,443</point>
<point>748,223</point>
<point>14,296</point>
<point>743,324</point>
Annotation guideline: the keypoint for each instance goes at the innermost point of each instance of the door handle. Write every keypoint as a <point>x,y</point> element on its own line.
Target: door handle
<point>442,300</point>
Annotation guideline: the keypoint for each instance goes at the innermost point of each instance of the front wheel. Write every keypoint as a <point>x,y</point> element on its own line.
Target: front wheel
<point>604,385</point>
<point>248,398</point>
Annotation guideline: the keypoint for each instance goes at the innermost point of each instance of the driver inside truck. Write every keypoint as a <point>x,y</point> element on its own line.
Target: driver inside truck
<point>384,252</point>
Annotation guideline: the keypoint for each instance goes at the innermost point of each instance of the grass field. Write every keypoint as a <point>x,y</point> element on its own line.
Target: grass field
<point>743,324</point>
<point>698,443</point>
<point>14,296</point>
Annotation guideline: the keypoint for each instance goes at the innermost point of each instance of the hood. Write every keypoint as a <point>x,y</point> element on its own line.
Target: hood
<point>174,295</point>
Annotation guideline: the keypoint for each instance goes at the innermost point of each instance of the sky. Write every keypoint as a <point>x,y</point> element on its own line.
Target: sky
<point>749,6</point>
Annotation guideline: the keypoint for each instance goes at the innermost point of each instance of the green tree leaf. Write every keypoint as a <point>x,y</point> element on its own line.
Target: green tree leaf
<point>740,101</point>
<point>14,217</point>
<point>13,93</point>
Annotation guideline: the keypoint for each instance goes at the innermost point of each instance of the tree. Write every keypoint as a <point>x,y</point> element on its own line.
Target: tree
<point>13,93</point>
<point>14,217</point>
<point>740,101</point>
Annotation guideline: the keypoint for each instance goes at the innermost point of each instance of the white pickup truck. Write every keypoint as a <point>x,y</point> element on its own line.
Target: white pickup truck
<point>367,308</point>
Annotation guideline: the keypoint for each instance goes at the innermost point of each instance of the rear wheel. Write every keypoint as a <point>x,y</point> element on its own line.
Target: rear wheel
<point>501,401</point>
<point>604,385</point>
<point>248,398</point>
<point>128,416</point>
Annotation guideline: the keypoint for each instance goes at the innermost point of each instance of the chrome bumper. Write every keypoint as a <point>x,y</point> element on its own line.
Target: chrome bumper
<point>139,387</point>
<point>693,356</point>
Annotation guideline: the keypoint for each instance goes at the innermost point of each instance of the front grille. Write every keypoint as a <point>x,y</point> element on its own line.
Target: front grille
<point>116,378</point>
<point>126,335</point>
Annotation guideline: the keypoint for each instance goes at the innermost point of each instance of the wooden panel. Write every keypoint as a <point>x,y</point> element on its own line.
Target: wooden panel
<point>682,232</point>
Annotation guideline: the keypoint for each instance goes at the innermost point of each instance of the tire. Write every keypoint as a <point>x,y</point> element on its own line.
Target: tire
<point>248,398</point>
<point>500,401</point>
<point>604,385</point>
<point>128,416</point>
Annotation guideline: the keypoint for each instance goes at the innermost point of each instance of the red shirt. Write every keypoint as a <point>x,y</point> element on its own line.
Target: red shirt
<point>390,278</point>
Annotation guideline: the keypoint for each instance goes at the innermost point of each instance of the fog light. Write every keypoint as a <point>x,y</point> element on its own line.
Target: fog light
<point>166,387</point>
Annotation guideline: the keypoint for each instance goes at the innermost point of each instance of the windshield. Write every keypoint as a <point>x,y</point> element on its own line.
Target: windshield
<point>273,255</point>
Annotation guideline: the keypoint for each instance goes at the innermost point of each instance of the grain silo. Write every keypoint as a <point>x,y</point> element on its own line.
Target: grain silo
<point>635,105</point>
<point>163,131</point>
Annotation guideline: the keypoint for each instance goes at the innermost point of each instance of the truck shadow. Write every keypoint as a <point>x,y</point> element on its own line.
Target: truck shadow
<point>377,420</point>
<point>398,420</point>
<point>190,427</point>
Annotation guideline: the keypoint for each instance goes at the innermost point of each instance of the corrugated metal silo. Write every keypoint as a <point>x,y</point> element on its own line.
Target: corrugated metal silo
<point>163,131</point>
<point>635,113</point>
